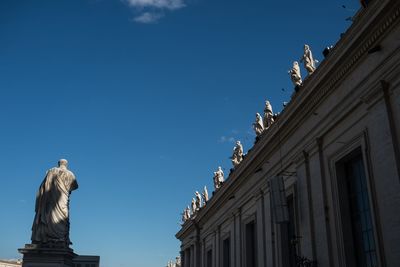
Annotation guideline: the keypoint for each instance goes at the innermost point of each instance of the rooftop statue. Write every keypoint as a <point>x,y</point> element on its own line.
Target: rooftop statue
<point>268,115</point>
<point>205,195</point>
<point>198,200</point>
<point>184,216</point>
<point>51,223</point>
<point>309,62</point>
<point>194,207</point>
<point>178,261</point>
<point>258,125</point>
<point>218,178</point>
<point>295,74</point>
<point>237,156</point>
<point>187,213</point>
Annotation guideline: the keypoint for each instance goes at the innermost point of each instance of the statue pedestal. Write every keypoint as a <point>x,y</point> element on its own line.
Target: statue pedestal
<point>38,256</point>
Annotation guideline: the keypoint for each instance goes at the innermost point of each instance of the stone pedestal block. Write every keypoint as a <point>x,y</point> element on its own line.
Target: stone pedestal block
<point>37,256</point>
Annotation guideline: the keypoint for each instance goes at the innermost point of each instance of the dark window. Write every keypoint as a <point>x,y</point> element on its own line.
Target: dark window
<point>288,235</point>
<point>209,258</point>
<point>189,260</point>
<point>183,258</point>
<point>226,250</point>
<point>251,245</point>
<point>359,238</point>
<point>291,232</point>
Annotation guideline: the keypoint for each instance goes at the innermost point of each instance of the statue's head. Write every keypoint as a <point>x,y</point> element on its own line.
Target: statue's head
<point>306,47</point>
<point>63,163</point>
<point>238,142</point>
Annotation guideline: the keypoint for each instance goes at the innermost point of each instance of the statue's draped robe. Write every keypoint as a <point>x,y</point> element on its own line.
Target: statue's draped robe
<point>51,223</point>
<point>309,63</point>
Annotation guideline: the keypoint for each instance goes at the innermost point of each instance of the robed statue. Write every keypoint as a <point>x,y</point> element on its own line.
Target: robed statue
<point>51,223</point>
<point>308,59</point>
<point>218,178</point>
<point>295,74</point>
<point>258,125</point>
<point>237,156</point>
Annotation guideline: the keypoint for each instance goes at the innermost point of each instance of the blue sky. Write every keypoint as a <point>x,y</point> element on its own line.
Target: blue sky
<point>144,98</point>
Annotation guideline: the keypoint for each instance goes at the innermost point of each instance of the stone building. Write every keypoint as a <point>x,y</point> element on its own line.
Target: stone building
<point>10,263</point>
<point>321,186</point>
<point>78,261</point>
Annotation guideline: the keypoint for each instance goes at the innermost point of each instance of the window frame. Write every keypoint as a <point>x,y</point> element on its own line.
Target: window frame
<point>344,153</point>
<point>291,191</point>
<point>250,219</point>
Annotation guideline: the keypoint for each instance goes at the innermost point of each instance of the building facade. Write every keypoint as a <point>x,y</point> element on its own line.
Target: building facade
<point>321,187</point>
<point>10,263</point>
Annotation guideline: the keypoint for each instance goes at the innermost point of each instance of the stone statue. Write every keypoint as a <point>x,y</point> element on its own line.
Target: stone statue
<point>198,200</point>
<point>295,74</point>
<point>184,216</point>
<point>268,115</point>
<point>178,261</point>
<point>194,207</point>
<point>187,213</point>
<point>218,178</point>
<point>237,156</point>
<point>258,125</point>
<point>309,62</point>
<point>205,195</point>
<point>51,223</point>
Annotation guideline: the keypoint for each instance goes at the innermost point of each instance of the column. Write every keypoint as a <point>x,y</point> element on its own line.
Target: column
<point>260,229</point>
<point>237,239</point>
<point>269,232</point>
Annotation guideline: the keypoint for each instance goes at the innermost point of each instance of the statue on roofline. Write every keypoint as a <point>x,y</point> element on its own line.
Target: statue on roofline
<point>295,74</point>
<point>198,200</point>
<point>258,125</point>
<point>178,261</point>
<point>218,178</point>
<point>194,207</point>
<point>309,62</point>
<point>268,115</point>
<point>237,156</point>
<point>205,195</point>
<point>187,213</point>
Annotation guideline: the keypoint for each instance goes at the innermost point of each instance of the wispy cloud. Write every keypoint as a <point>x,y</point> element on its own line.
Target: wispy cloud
<point>234,131</point>
<point>150,11</point>
<point>224,139</point>
<point>160,4</point>
<point>148,17</point>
